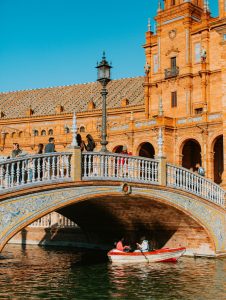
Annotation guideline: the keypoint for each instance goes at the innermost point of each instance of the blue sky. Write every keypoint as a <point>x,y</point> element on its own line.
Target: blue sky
<point>58,42</point>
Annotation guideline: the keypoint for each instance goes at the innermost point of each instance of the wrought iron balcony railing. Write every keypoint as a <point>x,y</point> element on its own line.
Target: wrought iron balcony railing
<point>171,72</point>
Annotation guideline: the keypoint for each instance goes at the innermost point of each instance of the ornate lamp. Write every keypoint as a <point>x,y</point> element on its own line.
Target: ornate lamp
<point>104,77</point>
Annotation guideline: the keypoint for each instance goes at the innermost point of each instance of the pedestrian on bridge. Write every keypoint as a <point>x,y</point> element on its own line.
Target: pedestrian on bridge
<point>50,147</point>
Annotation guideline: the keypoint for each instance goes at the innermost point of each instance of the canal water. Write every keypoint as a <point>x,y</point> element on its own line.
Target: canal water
<point>56,273</point>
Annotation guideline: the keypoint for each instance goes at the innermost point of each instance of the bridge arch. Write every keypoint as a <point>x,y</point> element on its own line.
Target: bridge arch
<point>20,211</point>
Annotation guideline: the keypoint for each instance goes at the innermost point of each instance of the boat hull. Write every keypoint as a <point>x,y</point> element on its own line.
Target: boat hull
<point>161,255</point>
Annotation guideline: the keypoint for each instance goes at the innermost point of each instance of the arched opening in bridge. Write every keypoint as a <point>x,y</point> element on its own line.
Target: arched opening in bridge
<point>218,159</point>
<point>118,149</point>
<point>191,153</point>
<point>103,219</point>
<point>146,150</point>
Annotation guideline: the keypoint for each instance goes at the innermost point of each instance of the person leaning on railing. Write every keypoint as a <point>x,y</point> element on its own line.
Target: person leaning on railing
<point>39,151</point>
<point>50,148</point>
<point>90,146</point>
<point>15,153</point>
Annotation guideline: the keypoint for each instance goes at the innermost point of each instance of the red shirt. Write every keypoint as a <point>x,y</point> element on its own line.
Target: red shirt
<point>119,246</point>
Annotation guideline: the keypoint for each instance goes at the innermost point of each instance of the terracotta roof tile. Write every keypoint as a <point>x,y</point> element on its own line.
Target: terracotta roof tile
<point>72,98</point>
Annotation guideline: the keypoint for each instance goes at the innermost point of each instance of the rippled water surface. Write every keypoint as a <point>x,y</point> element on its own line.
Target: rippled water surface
<point>44,273</point>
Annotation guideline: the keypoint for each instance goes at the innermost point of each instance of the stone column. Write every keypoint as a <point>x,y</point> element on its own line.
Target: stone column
<point>162,171</point>
<point>76,163</point>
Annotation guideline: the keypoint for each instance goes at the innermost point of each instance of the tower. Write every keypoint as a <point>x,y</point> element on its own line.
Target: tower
<point>222,9</point>
<point>170,3</point>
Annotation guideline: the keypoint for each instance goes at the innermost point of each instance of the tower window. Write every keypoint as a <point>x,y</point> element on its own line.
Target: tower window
<point>173,63</point>
<point>173,2</point>
<point>50,132</point>
<point>174,99</point>
<point>224,37</point>
<point>199,111</point>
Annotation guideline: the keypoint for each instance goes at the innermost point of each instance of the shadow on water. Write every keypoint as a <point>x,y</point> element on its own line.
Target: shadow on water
<point>90,257</point>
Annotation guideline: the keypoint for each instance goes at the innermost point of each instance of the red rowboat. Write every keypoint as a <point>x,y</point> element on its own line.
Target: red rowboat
<point>161,255</point>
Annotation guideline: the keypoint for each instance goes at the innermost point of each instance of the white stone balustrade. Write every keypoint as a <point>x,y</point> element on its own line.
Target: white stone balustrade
<point>112,166</point>
<point>72,166</point>
<point>182,179</point>
<point>53,220</point>
<point>31,169</point>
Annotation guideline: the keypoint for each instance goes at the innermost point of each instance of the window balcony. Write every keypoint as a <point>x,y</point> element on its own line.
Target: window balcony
<point>172,72</point>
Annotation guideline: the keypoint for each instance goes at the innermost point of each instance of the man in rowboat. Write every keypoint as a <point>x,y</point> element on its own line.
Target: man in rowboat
<point>144,246</point>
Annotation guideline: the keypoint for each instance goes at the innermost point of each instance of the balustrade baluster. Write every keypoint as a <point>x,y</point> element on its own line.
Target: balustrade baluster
<point>18,173</point>
<point>44,169</point>
<point>114,164</point>
<point>145,171</point>
<point>58,167</point>
<point>102,166</point>
<point>12,178</point>
<point>34,168</point>
<point>2,169</point>
<point>96,165</point>
<point>53,167</point>
<point>48,168</point>
<point>23,173</point>
<point>132,175</point>
<point>89,165</point>
<point>85,165</point>
<point>129,168</point>
<point>67,161</point>
<point>62,166</point>
<point>28,169</point>
<point>38,169</point>
<point>7,176</point>
<point>180,183</point>
<point>152,171</point>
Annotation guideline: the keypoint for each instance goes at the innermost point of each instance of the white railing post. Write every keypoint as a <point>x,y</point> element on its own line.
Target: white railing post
<point>76,163</point>
<point>162,176</point>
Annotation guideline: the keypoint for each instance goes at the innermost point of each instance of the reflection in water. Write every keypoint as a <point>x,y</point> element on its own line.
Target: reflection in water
<point>39,273</point>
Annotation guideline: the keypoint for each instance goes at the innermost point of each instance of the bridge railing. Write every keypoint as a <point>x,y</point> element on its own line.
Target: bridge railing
<point>182,179</point>
<point>112,166</point>
<point>76,166</point>
<point>29,169</point>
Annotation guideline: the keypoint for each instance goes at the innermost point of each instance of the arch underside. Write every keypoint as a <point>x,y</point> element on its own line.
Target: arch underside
<point>106,219</point>
<point>106,213</point>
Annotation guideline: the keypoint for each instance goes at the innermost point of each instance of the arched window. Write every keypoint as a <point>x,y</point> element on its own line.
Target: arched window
<point>82,129</point>
<point>218,159</point>
<point>43,132</point>
<point>66,129</point>
<point>118,149</point>
<point>146,150</point>
<point>191,154</point>
<point>50,132</point>
<point>35,132</point>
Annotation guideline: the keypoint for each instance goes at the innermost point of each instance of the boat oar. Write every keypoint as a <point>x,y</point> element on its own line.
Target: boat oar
<point>144,256</point>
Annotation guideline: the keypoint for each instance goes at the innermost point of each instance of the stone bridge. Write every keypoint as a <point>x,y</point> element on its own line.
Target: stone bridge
<point>109,195</point>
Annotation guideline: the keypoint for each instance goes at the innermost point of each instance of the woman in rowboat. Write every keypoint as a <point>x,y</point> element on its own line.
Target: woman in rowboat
<point>120,247</point>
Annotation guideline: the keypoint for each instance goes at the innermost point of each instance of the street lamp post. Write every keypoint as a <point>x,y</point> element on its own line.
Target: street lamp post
<point>104,77</point>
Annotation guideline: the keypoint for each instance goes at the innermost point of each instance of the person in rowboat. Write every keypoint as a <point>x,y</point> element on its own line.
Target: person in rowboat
<point>121,247</point>
<point>143,246</point>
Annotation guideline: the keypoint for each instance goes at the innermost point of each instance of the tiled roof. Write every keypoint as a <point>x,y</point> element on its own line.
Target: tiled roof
<point>72,98</point>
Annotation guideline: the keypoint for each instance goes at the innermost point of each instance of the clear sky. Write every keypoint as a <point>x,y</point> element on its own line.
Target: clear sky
<point>58,42</point>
